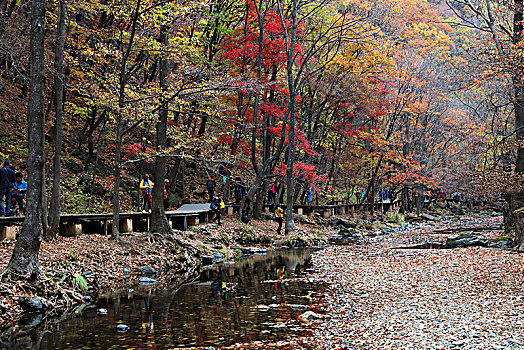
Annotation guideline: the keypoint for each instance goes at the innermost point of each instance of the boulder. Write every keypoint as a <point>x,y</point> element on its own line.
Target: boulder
<point>145,281</point>
<point>146,270</point>
<point>310,315</point>
<point>217,257</point>
<point>122,328</point>
<point>251,251</point>
<point>32,304</point>
<point>457,210</point>
<point>502,244</point>
<point>339,222</point>
<point>31,320</point>
<point>466,239</point>
<point>428,217</point>
<point>207,260</point>
<point>347,231</point>
<point>298,307</point>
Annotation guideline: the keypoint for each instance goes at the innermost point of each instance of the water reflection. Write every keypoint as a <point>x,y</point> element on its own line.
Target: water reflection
<point>230,303</point>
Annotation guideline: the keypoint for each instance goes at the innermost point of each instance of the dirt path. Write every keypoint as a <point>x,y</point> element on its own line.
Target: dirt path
<point>383,298</point>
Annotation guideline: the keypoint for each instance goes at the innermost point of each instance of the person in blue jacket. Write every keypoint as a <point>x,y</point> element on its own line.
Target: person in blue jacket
<point>308,196</point>
<point>19,191</point>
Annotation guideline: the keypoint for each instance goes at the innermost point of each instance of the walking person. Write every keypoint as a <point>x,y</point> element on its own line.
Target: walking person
<point>217,205</point>
<point>309,198</point>
<point>146,189</point>
<point>279,217</point>
<point>210,186</point>
<point>19,191</point>
<point>166,186</point>
<point>7,179</point>
<point>272,193</point>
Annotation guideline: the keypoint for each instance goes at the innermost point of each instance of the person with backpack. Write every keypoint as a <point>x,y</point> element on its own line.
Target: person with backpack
<point>19,191</point>
<point>217,205</point>
<point>7,179</point>
<point>278,216</point>
<point>308,196</point>
<point>211,185</point>
<point>146,189</point>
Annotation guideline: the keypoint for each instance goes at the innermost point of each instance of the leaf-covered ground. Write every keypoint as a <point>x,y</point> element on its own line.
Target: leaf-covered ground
<point>383,298</point>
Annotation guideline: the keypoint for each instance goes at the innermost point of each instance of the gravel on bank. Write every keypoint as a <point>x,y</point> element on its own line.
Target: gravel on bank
<point>383,298</point>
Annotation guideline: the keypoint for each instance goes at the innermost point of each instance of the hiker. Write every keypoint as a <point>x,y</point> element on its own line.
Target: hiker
<point>146,188</point>
<point>211,185</point>
<point>222,169</point>
<point>217,205</point>
<point>7,179</point>
<point>308,196</point>
<point>240,190</point>
<point>166,186</point>
<point>223,172</point>
<point>279,217</point>
<point>19,191</point>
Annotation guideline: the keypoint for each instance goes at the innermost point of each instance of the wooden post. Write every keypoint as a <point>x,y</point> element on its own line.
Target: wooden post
<point>300,211</point>
<point>8,233</point>
<point>230,210</point>
<point>126,225</point>
<point>192,221</point>
<point>72,230</point>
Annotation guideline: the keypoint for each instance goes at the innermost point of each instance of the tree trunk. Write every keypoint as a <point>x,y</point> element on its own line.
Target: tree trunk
<point>25,259</point>
<point>516,200</point>
<point>115,233</point>
<point>290,53</point>
<point>261,196</point>
<point>515,212</point>
<point>121,125</point>
<point>159,222</point>
<point>404,201</point>
<point>54,209</point>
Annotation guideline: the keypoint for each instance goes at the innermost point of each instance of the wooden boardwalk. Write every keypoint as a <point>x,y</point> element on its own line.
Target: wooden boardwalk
<point>182,218</point>
<point>74,224</point>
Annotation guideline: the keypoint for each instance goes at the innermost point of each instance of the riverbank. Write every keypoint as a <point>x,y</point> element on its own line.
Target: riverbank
<point>381,294</point>
<point>380,297</point>
<point>106,265</point>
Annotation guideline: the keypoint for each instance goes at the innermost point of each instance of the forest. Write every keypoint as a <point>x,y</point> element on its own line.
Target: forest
<point>294,103</point>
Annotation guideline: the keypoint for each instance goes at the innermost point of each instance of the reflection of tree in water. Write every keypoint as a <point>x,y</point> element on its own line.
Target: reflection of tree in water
<point>226,306</point>
<point>220,310</point>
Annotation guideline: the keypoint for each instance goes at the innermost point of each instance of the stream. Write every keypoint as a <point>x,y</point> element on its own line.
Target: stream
<point>253,299</point>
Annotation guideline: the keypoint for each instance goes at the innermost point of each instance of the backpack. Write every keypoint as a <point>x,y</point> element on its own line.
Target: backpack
<point>210,185</point>
<point>222,204</point>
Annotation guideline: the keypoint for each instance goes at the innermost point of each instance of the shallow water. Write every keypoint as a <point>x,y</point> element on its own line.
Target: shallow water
<point>223,307</point>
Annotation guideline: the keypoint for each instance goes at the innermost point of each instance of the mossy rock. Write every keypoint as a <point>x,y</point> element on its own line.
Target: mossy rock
<point>466,239</point>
